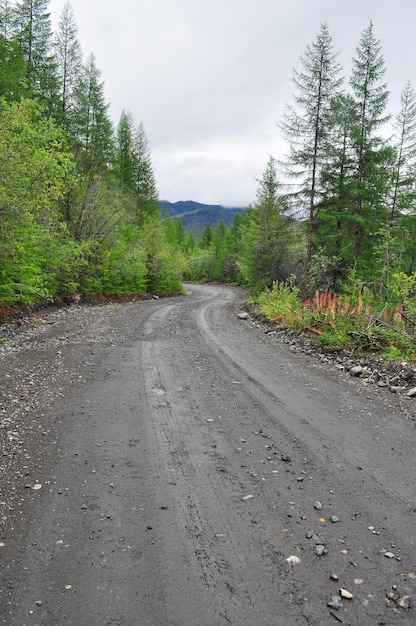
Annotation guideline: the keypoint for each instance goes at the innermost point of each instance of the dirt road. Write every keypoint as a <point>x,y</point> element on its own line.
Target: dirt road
<point>172,458</point>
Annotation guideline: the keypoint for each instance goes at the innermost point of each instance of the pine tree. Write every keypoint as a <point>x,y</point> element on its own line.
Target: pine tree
<point>33,33</point>
<point>125,160</point>
<point>6,18</point>
<point>334,227</point>
<point>206,238</point>
<point>69,60</point>
<point>265,238</point>
<point>403,196</point>
<point>90,124</point>
<point>146,189</point>
<point>305,124</point>
<point>372,155</point>
<point>403,207</point>
<point>218,250</point>
<point>402,193</point>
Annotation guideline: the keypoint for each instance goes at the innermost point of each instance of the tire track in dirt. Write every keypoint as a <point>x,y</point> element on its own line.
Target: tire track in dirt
<point>235,579</point>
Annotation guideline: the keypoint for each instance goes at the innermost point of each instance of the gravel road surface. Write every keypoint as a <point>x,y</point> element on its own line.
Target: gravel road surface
<point>167,463</point>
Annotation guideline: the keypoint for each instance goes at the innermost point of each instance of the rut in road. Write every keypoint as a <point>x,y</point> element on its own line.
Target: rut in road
<point>221,548</point>
<point>190,467</point>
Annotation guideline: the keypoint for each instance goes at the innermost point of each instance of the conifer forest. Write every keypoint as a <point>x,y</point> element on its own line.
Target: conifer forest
<point>328,243</point>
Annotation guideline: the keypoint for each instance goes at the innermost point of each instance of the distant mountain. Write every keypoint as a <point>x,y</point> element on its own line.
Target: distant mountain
<point>195,216</point>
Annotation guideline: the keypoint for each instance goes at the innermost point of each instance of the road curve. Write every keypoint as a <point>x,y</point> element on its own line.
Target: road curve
<point>190,461</point>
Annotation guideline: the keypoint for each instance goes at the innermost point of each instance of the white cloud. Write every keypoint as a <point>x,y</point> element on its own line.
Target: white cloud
<point>209,79</point>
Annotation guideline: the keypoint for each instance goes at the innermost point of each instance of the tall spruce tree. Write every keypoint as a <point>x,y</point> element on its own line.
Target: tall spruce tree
<point>33,33</point>
<point>402,192</point>
<point>334,220</point>
<point>69,61</point>
<point>372,155</point>
<point>125,161</point>
<point>6,18</point>
<point>91,125</point>
<point>403,195</point>
<point>146,189</point>
<point>264,255</point>
<point>305,124</point>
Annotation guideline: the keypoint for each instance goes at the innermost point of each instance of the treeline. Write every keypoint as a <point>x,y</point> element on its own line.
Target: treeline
<point>79,206</point>
<point>338,212</point>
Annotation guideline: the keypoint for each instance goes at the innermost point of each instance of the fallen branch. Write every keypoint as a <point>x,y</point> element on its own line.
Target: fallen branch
<point>314,330</point>
<point>408,319</point>
<point>323,322</point>
<point>380,322</point>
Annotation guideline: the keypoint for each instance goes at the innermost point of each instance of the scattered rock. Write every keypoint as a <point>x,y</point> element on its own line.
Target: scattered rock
<point>334,519</point>
<point>344,593</point>
<point>243,316</point>
<point>318,505</point>
<point>404,602</point>
<point>320,550</point>
<point>371,368</point>
<point>374,377</point>
<point>396,389</point>
<point>335,602</point>
<point>293,560</point>
<point>407,373</point>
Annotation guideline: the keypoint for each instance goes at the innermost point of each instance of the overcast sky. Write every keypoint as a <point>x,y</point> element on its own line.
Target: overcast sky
<point>209,79</point>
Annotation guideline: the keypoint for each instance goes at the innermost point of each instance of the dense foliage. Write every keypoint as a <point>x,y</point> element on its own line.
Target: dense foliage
<point>341,220</point>
<point>332,227</point>
<point>78,198</point>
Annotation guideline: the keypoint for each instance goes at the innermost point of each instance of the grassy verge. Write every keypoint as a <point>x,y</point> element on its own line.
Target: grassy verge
<point>341,322</point>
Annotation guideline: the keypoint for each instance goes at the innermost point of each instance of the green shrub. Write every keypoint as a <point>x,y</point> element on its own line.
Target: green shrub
<point>338,321</point>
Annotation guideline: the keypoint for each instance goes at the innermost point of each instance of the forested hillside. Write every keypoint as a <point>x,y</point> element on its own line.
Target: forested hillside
<point>78,198</point>
<point>330,233</point>
<point>196,216</point>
